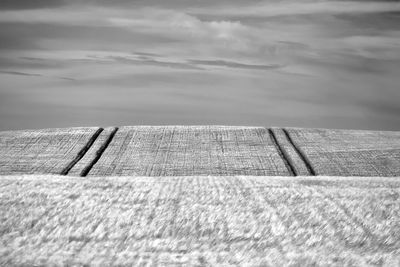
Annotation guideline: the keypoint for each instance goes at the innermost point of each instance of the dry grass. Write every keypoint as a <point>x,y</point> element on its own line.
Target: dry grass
<point>248,221</point>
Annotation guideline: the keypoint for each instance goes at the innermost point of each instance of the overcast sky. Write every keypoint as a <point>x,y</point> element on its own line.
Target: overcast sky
<point>303,63</point>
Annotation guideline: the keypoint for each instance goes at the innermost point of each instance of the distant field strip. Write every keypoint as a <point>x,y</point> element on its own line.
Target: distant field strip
<point>199,150</point>
<point>47,151</point>
<point>349,152</point>
<point>198,220</point>
<point>190,150</point>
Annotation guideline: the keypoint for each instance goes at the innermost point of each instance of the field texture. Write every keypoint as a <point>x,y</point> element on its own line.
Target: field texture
<point>191,150</point>
<point>349,152</point>
<point>200,221</point>
<point>199,196</point>
<point>199,150</point>
<point>48,151</point>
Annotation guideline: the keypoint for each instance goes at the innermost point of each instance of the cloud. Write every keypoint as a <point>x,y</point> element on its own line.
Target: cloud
<point>193,64</point>
<point>299,8</point>
<point>147,21</point>
<point>34,75</point>
<point>146,54</point>
<point>20,73</point>
<point>222,34</point>
<point>152,62</point>
<point>157,19</point>
<point>232,64</point>
<point>385,47</point>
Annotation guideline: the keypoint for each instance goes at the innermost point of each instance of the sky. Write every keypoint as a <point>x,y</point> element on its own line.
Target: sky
<point>285,63</point>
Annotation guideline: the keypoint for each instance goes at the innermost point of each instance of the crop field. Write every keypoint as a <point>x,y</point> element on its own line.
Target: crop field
<point>199,220</point>
<point>199,196</point>
<point>199,150</point>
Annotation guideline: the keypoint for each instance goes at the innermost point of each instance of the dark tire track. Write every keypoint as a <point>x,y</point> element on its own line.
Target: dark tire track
<point>99,153</point>
<point>82,152</point>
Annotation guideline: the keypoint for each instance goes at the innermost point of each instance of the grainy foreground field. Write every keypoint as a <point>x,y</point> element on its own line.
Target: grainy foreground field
<point>249,221</point>
<point>199,196</point>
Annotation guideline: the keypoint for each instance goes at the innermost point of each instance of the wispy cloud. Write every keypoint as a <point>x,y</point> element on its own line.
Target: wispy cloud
<point>190,64</point>
<point>153,62</point>
<point>232,64</point>
<point>300,8</point>
<point>20,73</point>
<point>34,75</point>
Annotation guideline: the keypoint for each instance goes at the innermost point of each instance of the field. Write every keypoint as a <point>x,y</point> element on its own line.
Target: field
<point>250,221</point>
<point>199,196</point>
<point>199,150</point>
